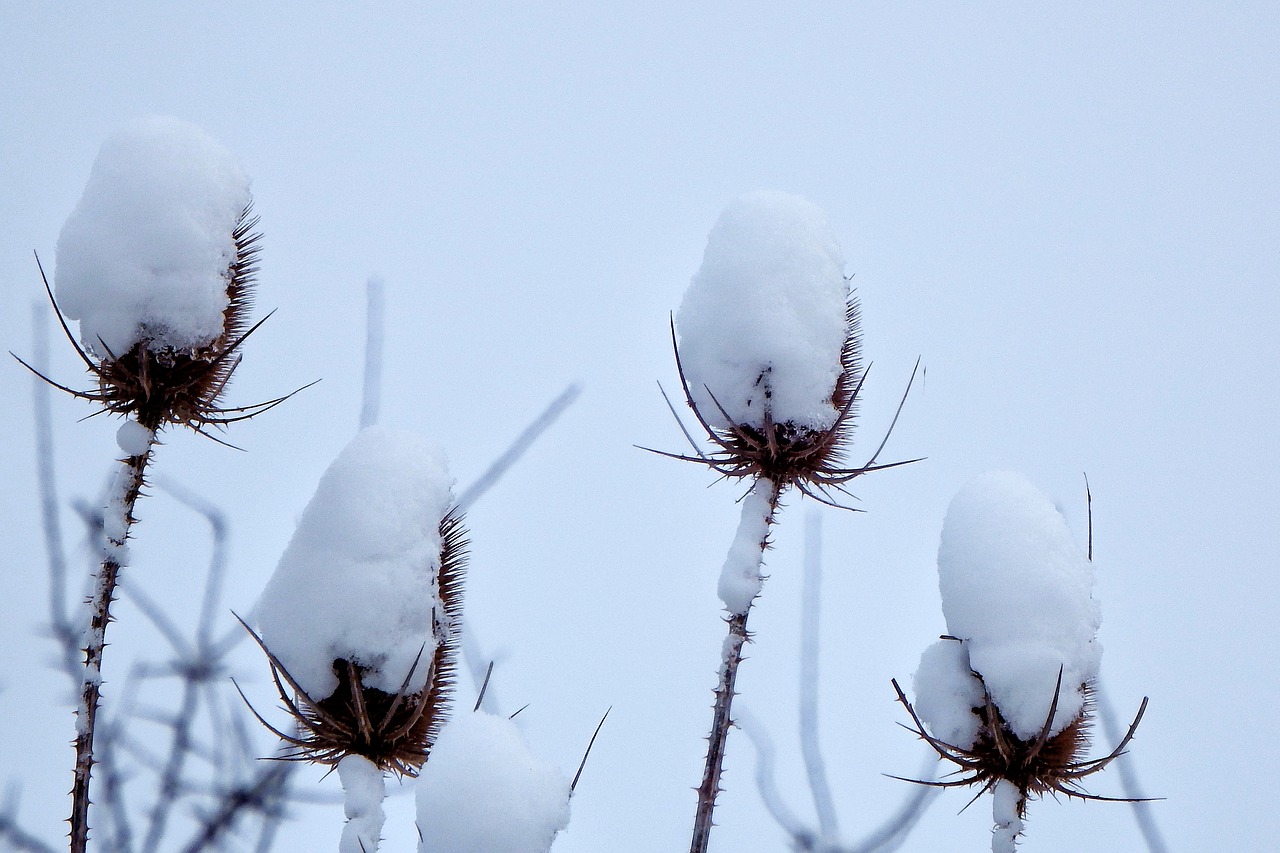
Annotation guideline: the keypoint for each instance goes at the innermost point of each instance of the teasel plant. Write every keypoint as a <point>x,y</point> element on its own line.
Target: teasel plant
<point>1007,695</point>
<point>158,263</point>
<point>360,622</point>
<point>767,345</point>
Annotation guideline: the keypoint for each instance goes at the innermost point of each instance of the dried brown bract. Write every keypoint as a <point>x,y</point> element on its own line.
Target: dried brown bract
<point>1049,764</point>
<point>786,453</point>
<point>395,731</point>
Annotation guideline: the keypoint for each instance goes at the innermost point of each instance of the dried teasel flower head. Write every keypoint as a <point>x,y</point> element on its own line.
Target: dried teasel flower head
<point>1006,695</point>
<point>360,621</point>
<point>767,344</point>
<point>157,262</point>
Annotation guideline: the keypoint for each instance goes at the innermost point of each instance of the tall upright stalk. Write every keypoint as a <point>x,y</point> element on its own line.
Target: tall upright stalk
<point>117,521</point>
<point>743,562</point>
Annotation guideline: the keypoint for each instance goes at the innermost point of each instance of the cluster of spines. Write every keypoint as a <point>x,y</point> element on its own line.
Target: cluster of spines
<point>1047,764</point>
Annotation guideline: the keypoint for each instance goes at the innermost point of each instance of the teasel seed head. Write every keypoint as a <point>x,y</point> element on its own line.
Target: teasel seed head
<point>394,730</point>
<point>158,262</point>
<point>768,348</point>
<point>1007,694</point>
<point>360,622</point>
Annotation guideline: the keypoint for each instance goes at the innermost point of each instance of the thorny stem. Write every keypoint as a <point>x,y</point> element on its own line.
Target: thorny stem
<point>124,494</point>
<point>721,712</point>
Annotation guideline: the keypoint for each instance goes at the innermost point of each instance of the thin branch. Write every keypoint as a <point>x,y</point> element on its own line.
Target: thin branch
<point>219,531</point>
<point>375,292</point>
<point>14,834</point>
<point>810,747</point>
<point>766,784</point>
<point>522,443</point>
<point>893,833</point>
<point>64,631</point>
<point>1142,812</point>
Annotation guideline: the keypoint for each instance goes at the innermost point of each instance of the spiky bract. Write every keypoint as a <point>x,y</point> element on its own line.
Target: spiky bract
<point>1048,764</point>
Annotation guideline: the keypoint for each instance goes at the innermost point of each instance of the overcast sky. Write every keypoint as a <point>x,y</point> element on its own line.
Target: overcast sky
<point>1070,217</point>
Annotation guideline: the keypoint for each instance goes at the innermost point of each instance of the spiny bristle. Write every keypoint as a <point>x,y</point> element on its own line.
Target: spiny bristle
<point>454,553</point>
<point>1043,765</point>
<point>242,276</point>
<point>850,360</point>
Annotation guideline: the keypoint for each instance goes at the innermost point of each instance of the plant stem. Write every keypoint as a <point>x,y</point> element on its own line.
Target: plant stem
<point>117,520</point>
<point>741,572</point>
<point>364,790</point>
<point>1008,807</point>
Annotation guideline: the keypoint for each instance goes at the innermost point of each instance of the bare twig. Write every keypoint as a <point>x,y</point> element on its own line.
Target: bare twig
<point>810,747</point>
<point>375,292</point>
<point>894,831</point>
<point>766,785</point>
<point>64,631</point>
<point>1142,811</point>
<point>522,443</point>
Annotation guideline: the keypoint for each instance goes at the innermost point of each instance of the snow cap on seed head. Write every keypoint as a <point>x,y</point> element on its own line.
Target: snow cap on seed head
<point>158,262</point>
<point>768,349</point>
<point>146,252</point>
<point>484,792</point>
<point>1017,590</point>
<point>763,324</point>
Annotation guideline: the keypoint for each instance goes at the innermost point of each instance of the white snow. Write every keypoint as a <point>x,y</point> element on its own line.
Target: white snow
<point>1004,813</point>
<point>359,579</point>
<point>133,438</point>
<point>482,791</point>
<point>364,789</point>
<point>766,312</point>
<point>740,578</point>
<point>1017,589</point>
<point>947,692</point>
<point>145,253</point>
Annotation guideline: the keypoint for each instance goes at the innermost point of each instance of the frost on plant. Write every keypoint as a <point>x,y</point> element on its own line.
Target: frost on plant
<point>1005,695</point>
<point>484,792</point>
<point>361,617</point>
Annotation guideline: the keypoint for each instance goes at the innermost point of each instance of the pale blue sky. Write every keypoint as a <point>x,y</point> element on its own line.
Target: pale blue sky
<point>1069,215</point>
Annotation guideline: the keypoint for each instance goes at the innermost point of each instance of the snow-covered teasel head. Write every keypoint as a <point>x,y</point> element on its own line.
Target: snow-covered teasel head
<point>768,342</point>
<point>1018,590</point>
<point>1005,694</point>
<point>361,617</point>
<point>157,262</point>
<point>484,792</point>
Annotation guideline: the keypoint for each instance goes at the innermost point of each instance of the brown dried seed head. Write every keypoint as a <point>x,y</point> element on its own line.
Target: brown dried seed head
<point>395,731</point>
